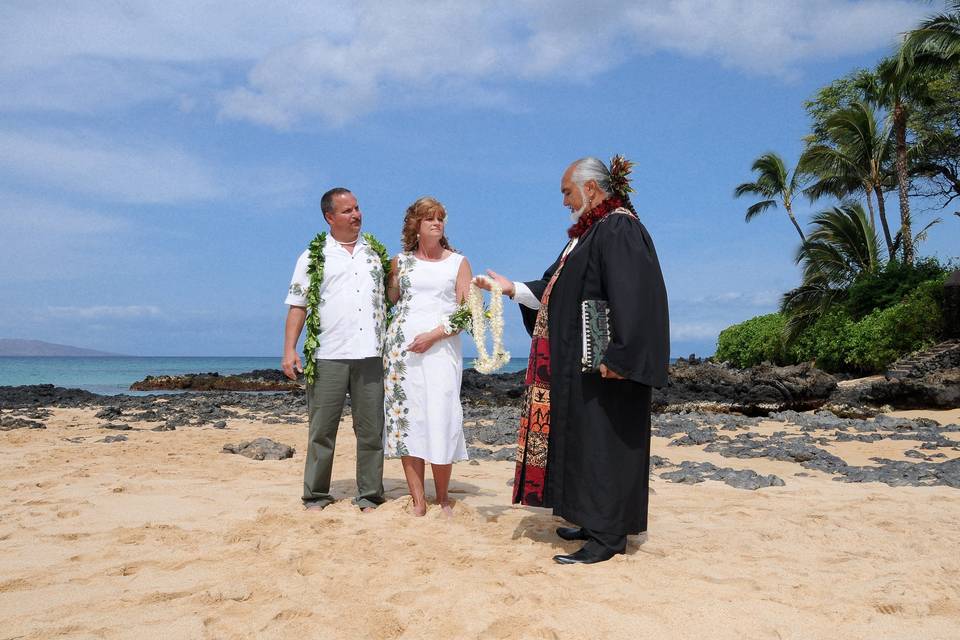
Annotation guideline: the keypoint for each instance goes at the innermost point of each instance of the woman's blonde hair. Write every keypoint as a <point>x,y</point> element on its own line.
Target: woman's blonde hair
<point>419,211</point>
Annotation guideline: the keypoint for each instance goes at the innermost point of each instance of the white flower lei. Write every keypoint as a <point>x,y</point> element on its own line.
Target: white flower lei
<point>478,317</point>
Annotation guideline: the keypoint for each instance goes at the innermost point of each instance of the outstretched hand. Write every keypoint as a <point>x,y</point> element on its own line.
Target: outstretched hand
<point>484,282</point>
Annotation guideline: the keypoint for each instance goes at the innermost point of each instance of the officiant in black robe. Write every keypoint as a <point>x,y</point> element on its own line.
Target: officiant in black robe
<point>584,442</point>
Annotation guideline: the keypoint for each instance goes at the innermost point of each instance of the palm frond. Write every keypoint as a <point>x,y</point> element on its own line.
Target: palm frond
<point>841,246</point>
<point>935,42</point>
<point>924,233</point>
<point>759,208</point>
<point>750,188</point>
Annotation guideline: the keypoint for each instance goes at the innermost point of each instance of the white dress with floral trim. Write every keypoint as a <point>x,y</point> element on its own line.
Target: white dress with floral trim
<point>423,415</point>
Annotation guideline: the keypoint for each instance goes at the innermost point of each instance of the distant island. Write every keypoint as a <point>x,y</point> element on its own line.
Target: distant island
<point>27,348</point>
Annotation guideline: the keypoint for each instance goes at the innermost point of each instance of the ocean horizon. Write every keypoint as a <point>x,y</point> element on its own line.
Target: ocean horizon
<point>113,375</point>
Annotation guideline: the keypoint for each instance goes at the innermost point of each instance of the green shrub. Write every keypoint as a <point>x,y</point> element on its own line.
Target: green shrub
<point>753,341</point>
<point>840,342</point>
<point>882,337</point>
<point>826,342</point>
<point>890,286</point>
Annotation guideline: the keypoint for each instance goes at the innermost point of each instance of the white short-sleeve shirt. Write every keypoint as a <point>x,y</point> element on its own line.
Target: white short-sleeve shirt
<point>351,300</point>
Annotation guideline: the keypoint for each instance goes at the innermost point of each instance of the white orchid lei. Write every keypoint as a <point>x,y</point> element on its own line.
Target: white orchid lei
<point>479,319</point>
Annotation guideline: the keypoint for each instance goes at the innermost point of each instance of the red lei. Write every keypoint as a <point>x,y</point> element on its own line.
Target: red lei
<point>596,214</point>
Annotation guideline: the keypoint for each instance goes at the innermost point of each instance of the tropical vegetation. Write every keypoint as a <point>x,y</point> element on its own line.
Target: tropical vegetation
<point>866,295</point>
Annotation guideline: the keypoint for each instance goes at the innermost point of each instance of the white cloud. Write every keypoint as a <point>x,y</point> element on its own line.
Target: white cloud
<point>735,299</point>
<point>771,36</point>
<point>335,61</point>
<point>90,164</point>
<point>48,240</point>
<point>100,312</point>
<point>685,331</point>
<point>26,217</point>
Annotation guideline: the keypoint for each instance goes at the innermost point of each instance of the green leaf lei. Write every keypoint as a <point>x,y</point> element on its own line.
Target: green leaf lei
<point>315,272</point>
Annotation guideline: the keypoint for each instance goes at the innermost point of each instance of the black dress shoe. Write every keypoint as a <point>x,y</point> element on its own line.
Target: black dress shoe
<point>572,533</point>
<point>585,556</point>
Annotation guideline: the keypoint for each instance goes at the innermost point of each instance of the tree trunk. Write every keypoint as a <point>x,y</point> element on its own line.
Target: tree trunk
<point>900,132</point>
<point>882,210</point>
<point>789,208</point>
<point>873,218</point>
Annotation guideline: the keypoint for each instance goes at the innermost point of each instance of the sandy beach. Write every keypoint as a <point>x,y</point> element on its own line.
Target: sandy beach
<point>164,536</point>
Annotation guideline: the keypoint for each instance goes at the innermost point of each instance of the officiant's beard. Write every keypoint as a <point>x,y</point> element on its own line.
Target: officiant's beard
<point>575,215</point>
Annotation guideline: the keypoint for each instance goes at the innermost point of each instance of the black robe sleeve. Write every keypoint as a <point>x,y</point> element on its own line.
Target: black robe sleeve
<point>639,349</point>
<point>537,288</point>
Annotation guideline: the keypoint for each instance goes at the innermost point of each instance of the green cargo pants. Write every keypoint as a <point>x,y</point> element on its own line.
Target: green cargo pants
<point>325,399</point>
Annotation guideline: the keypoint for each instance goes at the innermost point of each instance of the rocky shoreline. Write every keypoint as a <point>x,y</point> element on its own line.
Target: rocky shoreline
<point>706,404</point>
<point>695,385</point>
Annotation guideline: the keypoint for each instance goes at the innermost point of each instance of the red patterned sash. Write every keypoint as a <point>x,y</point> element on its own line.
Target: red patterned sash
<point>533,439</point>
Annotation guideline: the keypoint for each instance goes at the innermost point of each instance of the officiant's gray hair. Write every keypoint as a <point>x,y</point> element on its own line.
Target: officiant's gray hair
<point>590,168</point>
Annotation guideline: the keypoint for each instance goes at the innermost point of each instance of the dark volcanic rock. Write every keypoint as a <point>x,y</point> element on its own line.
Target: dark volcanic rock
<point>259,380</point>
<point>116,426</point>
<point>117,438</point>
<point>44,395</point>
<point>797,449</point>
<point>33,413</point>
<point>755,391</point>
<point>150,415</point>
<point>491,425</point>
<point>109,413</point>
<point>499,389</point>
<point>9,423</point>
<point>696,472</point>
<point>658,461</point>
<point>935,389</point>
<point>696,436</point>
<point>261,449</point>
<point>506,453</point>
<point>900,473</point>
<point>178,420</point>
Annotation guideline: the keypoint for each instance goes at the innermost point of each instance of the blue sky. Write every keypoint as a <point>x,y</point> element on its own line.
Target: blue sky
<point>163,161</point>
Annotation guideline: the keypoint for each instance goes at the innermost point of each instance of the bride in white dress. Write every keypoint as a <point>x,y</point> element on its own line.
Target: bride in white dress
<point>423,360</point>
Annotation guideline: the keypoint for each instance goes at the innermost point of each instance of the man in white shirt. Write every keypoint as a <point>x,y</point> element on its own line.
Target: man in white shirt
<point>349,356</point>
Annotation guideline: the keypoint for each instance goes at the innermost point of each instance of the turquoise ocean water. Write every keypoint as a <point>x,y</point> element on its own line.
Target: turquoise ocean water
<point>113,375</point>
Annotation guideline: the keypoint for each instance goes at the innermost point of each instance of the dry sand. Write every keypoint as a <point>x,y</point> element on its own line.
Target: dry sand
<point>163,536</point>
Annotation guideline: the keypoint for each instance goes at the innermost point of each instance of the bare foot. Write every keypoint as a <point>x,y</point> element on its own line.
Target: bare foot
<point>368,509</point>
<point>447,509</point>
<point>419,509</point>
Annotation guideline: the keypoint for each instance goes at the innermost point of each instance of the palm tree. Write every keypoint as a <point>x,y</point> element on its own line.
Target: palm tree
<point>898,87</point>
<point>773,182</point>
<point>842,247</point>
<point>856,159</point>
<point>935,42</point>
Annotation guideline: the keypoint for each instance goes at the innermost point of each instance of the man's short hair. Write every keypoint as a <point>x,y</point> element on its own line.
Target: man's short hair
<point>326,202</point>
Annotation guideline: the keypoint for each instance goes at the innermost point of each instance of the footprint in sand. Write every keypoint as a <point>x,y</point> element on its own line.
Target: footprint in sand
<point>888,609</point>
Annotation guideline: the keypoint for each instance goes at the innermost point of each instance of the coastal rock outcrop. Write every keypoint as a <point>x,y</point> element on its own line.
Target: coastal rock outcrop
<point>938,389</point>
<point>710,386</point>
<point>257,380</point>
